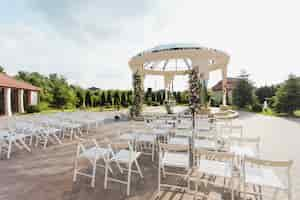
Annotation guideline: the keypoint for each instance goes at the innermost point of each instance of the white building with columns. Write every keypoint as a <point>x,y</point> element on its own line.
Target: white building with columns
<point>15,95</point>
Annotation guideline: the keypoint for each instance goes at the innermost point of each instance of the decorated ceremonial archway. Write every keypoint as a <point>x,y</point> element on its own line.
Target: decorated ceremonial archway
<point>187,57</point>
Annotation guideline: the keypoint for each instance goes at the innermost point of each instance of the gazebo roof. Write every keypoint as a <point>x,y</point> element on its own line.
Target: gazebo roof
<point>174,46</point>
<point>177,59</point>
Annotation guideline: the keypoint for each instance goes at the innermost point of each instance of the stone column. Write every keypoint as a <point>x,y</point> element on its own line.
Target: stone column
<point>21,101</point>
<point>224,85</point>
<point>7,101</point>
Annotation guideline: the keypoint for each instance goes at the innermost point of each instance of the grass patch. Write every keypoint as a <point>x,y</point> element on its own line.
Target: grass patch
<point>89,109</point>
<point>269,112</point>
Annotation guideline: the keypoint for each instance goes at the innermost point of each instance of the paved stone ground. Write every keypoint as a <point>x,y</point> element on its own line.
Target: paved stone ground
<point>280,140</point>
<point>47,174</point>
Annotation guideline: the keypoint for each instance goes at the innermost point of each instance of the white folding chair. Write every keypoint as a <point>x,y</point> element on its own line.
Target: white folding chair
<point>124,156</point>
<point>92,155</point>
<point>175,157</point>
<point>265,174</point>
<point>9,138</point>
<point>46,134</point>
<point>210,165</point>
<point>146,144</point>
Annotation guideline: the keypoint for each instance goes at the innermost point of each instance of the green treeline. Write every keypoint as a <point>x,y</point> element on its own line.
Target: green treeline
<point>57,93</point>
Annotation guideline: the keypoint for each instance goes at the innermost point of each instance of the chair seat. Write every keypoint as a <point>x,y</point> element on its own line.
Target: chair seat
<point>160,131</point>
<point>179,140</point>
<point>264,177</point>
<point>124,156</point>
<point>146,138</point>
<point>128,136</point>
<point>95,151</point>
<point>53,130</point>
<point>242,151</point>
<point>13,137</point>
<point>205,144</point>
<point>176,159</point>
<point>216,168</point>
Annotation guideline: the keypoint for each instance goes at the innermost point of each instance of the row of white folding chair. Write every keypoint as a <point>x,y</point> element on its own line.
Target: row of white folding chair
<point>124,156</point>
<point>9,138</point>
<point>254,171</point>
<point>94,155</point>
<point>120,153</point>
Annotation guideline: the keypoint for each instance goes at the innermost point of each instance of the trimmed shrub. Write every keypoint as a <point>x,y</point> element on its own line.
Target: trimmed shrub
<point>256,107</point>
<point>33,109</point>
<point>155,104</point>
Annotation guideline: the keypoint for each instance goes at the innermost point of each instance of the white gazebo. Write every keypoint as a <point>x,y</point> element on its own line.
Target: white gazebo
<point>178,59</point>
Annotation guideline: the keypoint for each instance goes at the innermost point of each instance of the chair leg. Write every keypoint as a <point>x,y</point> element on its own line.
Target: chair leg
<point>106,173</point>
<point>232,189</point>
<point>25,145</point>
<point>45,142</point>
<point>75,170</point>
<point>129,179</point>
<point>63,133</point>
<point>9,149</point>
<point>138,168</point>
<point>153,147</point>
<point>159,168</point>
<point>71,134</point>
<point>163,171</point>
<point>57,139</point>
<point>94,174</point>
<point>119,166</point>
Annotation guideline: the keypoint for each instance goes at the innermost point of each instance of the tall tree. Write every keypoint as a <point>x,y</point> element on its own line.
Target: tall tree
<point>2,69</point>
<point>117,100</point>
<point>123,99</point>
<point>287,98</point>
<point>265,92</point>
<point>242,94</point>
<point>102,99</point>
<point>109,98</point>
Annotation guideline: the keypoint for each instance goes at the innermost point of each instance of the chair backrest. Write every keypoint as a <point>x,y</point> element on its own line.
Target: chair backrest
<point>184,132</point>
<point>173,147</point>
<point>203,123</point>
<point>199,154</point>
<point>230,130</point>
<point>285,167</point>
<point>246,141</point>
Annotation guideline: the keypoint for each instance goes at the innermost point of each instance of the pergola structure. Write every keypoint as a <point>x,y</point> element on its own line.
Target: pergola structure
<point>179,59</point>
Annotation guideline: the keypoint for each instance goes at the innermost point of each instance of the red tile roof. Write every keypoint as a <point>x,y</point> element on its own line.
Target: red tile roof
<point>231,83</point>
<point>7,81</point>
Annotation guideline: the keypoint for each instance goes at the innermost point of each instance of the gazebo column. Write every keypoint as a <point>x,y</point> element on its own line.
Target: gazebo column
<point>7,101</point>
<point>21,101</point>
<point>224,85</point>
<point>204,80</point>
<point>168,78</point>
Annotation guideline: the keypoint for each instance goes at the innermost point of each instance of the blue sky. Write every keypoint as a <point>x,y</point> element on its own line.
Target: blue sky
<point>90,41</point>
